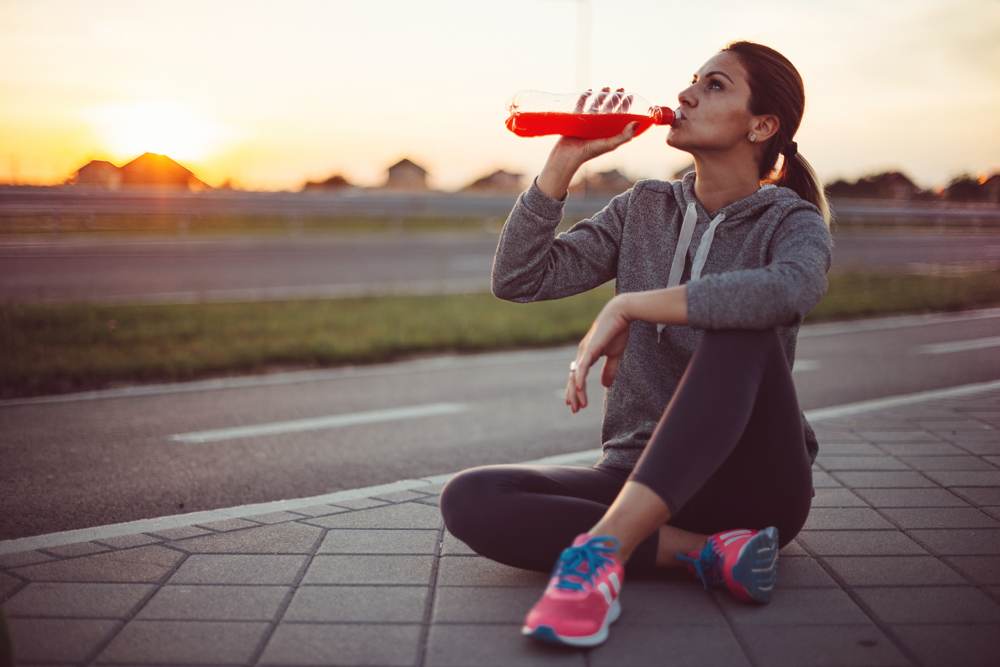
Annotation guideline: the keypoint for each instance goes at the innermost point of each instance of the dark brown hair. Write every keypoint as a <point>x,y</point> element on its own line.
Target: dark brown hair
<point>776,88</point>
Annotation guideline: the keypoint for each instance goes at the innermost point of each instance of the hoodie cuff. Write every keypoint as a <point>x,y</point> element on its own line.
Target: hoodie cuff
<point>541,204</point>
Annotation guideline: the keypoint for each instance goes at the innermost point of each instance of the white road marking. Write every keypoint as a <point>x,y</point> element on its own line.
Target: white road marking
<point>318,423</point>
<point>583,458</point>
<point>959,346</point>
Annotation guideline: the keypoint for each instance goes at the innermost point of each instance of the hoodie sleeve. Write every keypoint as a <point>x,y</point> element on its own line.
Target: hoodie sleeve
<point>531,265</point>
<point>779,294</point>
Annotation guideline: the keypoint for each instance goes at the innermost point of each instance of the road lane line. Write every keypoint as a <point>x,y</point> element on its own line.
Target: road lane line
<point>318,423</point>
<point>585,458</point>
<point>959,345</point>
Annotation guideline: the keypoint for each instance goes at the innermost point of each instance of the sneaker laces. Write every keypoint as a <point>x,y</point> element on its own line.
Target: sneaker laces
<point>594,552</point>
<point>706,564</point>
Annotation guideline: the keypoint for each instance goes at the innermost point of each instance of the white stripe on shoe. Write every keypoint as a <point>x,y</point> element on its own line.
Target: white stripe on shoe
<point>603,587</point>
<point>613,577</point>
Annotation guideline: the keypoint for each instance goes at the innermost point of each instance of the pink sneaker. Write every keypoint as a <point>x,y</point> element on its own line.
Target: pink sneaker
<point>745,560</point>
<point>581,598</point>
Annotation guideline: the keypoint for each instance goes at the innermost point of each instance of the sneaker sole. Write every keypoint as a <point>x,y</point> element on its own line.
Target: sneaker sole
<point>547,634</point>
<point>757,569</point>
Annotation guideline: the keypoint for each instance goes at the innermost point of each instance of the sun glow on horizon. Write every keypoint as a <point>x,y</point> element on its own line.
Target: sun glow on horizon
<point>157,126</point>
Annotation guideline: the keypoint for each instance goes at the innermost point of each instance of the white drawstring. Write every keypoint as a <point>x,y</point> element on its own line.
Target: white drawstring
<point>680,254</point>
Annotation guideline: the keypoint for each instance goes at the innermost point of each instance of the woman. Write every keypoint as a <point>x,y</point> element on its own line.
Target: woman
<point>706,454</point>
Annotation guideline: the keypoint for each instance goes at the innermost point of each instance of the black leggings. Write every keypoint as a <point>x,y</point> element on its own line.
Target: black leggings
<point>728,452</point>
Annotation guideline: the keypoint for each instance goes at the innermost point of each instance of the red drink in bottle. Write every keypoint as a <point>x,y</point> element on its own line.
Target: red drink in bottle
<point>535,114</point>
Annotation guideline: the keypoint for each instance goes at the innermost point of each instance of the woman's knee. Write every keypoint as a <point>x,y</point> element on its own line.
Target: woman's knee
<point>466,499</point>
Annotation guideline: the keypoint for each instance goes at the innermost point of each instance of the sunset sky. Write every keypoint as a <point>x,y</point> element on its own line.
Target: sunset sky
<point>272,94</point>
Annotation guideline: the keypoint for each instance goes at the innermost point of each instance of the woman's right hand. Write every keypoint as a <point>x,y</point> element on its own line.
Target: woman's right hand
<point>578,150</point>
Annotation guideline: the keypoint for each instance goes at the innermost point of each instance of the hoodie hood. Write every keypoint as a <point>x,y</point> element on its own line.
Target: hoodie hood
<point>747,208</point>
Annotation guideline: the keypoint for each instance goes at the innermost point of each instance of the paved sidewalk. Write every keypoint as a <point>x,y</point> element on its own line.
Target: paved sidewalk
<point>899,564</point>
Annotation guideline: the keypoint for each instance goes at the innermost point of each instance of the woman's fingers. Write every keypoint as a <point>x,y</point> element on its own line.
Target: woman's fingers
<point>582,101</point>
<point>627,103</point>
<point>596,104</point>
<point>612,104</point>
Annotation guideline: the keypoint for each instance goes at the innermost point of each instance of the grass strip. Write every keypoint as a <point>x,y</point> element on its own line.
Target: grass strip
<point>70,347</point>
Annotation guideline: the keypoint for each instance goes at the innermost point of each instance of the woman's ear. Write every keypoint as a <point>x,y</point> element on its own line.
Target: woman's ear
<point>765,127</point>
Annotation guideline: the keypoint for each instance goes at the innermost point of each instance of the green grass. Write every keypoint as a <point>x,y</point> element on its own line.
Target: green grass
<point>60,348</point>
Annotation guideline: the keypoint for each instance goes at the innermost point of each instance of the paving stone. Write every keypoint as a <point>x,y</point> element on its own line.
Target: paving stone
<point>142,564</point>
<point>795,606</point>
<point>58,639</point>
<point>980,448</point>
<point>822,480</point>
<point>859,479</point>
<point>403,515</point>
<point>127,541</point>
<point>368,604</point>
<point>902,449</point>
<point>439,486</point>
<point>77,600</point>
<point>941,517</point>
<point>452,546</point>
<point>284,538</point>
<point>893,571</point>
<point>793,548</point>
<point>979,495</point>
<point>8,584</point>
<point>374,541</point>
<point>351,644</point>
<point>675,645</point>
<point>8,561</point>
<point>911,435</point>
<point>992,511</point>
<point>993,460</point>
<point>227,524</point>
<point>947,463</point>
<point>844,518</point>
<point>802,571</point>
<point>78,549</point>
<point>863,645</point>
<point>275,517</point>
<point>847,448</point>
<point>911,497</point>
<point>360,503</point>
<point>861,463</point>
<point>181,532</point>
<point>320,510</point>
<point>496,645</point>
<point>400,496</point>
<point>953,425</point>
<point>495,604</point>
<point>369,570</point>
<point>960,541</point>
<point>238,569</point>
<point>931,604</point>
<point>680,602</point>
<point>859,543</point>
<point>215,603</point>
<point>837,497</point>
<point>981,569</point>
<point>965,438</point>
<point>432,501</point>
<point>479,571</point>
<point>965,477</point>
<point>951,645</point>
<point>185,642</point>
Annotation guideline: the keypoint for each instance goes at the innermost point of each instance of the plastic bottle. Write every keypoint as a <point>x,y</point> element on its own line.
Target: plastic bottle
<point>534,113</point>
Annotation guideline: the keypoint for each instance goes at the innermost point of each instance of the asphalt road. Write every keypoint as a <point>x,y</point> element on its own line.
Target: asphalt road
<point>78,461</point>
<point>248,268</point>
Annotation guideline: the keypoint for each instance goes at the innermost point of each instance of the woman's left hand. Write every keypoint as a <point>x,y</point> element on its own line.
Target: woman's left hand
<point>608,336</point>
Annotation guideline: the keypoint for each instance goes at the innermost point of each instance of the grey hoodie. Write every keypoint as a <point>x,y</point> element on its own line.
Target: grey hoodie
<point>760,262</point>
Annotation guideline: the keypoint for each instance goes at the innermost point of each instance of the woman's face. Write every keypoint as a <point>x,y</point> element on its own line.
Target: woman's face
<point>714,109</point>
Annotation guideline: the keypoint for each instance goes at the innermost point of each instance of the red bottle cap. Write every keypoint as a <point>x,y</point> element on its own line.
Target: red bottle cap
<point>663,115</point>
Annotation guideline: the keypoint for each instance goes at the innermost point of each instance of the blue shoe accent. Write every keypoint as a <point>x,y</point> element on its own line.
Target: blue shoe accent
<point>706,565</point>
<point>757,568</point>
<point>594,552</point>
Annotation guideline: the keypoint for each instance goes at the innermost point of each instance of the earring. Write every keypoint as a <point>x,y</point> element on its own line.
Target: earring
<point>752,137</point>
